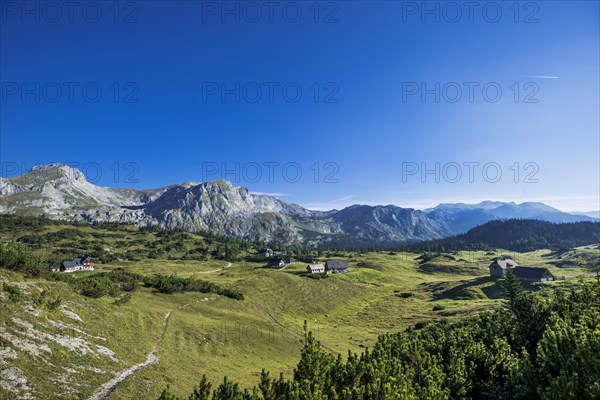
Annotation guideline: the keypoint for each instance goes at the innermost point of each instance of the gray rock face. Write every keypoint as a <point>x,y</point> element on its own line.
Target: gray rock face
<point>62,192</point>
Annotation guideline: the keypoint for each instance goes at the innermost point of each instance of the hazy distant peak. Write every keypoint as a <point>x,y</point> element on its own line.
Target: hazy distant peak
<point>486,205</point>
<point>591,214</point>
<point>538,206</point>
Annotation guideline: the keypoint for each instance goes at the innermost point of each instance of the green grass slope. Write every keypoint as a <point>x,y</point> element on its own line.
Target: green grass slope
<point>60,344</point>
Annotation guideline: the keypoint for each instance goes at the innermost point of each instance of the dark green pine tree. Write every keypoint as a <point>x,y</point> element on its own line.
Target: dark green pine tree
<point>265,386</point>
<point>531,314</point>
<point>512,290</point>
<point>313,369</point>
<point>167,395</point>
<point>202,392</point>
<point>227,390</point>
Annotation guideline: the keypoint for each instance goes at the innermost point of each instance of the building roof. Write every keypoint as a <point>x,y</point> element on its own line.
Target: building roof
<point>71,263</point>
<point>506,263</point>
<point>315,266</point>
<point>78,261</point>
<point>336,264</point>
<point>531,272</point>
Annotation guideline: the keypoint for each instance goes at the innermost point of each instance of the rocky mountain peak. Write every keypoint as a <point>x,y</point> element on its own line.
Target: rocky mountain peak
<point>58,171</point>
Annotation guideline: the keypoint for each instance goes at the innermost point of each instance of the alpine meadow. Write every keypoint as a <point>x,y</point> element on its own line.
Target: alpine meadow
<point>299,200</point>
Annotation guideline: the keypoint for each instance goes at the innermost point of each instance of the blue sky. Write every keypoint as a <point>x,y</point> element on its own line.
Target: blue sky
<point>153,93</point>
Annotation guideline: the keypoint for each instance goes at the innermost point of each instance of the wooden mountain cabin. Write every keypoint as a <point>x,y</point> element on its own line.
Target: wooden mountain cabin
<point>87,262</point>
<point>265,253</point>
<point>533,274</point>
<point>278,262</point>
<point>499,268</point>
<point>81,263</point>
<point>54,267</point>
<point>336,266</point>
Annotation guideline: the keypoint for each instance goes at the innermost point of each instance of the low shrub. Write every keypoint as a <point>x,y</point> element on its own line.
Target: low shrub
<point>18,257</point>
<point>14,293</point>
<point>96,286</point>
<point>123,299</point>
<point>174,284</point>
<point>54,302</point>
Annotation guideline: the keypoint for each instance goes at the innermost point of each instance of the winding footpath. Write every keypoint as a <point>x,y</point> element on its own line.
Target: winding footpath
<point>103,391</point>
<point>216,270</point>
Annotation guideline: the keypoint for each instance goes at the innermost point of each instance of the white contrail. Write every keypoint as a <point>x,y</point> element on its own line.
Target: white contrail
<point>541,76</point>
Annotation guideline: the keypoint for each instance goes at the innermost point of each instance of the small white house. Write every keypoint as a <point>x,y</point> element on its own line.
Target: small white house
<point>315,269</point>
<point>83,263</point>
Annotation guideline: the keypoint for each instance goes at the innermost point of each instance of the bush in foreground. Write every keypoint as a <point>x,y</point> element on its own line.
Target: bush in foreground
<point>173,284</point>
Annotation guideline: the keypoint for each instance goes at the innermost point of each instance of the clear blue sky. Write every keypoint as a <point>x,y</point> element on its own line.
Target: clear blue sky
<point>363,60</point>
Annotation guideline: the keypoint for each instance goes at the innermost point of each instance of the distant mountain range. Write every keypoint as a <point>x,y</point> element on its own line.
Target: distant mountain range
<point>591,214</point>
<point>62,192</point>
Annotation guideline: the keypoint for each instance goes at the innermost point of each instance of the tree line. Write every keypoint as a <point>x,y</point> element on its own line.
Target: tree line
<point>520,235</point>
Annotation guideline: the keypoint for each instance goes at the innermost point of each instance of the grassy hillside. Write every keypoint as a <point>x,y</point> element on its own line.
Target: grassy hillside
<point>50,332</point>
